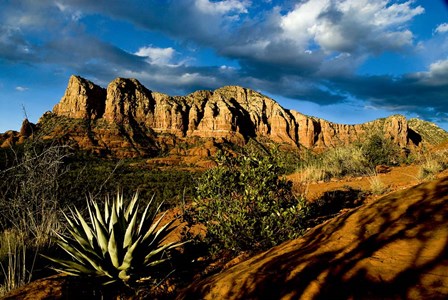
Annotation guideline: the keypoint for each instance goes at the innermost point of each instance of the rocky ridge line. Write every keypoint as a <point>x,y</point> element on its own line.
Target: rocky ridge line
<point>129,120</point>
<point>231,113</point>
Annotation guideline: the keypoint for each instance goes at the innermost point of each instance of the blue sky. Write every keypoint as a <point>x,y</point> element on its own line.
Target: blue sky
<point>347,61</point>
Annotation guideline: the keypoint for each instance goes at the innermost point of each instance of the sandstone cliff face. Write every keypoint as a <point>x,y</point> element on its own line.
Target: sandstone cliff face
<point>232,112</point>
<point>82,99</point>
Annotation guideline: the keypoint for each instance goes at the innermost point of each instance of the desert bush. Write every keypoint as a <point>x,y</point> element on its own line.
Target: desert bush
<point>345,160</point>
<point>335,162</point>
<point>29,191</point>
<point>379,150</point>
<point>313,172</point>
<point>286,158</point>
<point>431,165</point>
<point>246,206</point>
<point>15,269</point>
<point>28,207</point>
<point>117,243</point>
<point>352,160</point>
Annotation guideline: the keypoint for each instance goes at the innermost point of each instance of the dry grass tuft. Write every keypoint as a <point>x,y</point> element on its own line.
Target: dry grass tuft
<point>433,164</point>
<point>377,187</point>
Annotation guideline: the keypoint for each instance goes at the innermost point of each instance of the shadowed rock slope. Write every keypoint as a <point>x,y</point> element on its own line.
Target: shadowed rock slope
<point>393,248</point>
<point>429,132</point>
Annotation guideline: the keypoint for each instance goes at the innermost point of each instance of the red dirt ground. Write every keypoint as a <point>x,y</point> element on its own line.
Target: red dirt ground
<point>398,178</point>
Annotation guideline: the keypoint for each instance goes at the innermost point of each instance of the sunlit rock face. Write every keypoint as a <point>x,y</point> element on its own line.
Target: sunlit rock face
<point>127,119</point>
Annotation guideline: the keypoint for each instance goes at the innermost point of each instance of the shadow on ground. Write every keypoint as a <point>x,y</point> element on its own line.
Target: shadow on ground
<point>393,248</point>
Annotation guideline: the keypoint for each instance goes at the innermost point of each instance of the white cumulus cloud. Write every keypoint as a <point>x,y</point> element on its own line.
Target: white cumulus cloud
<point>442,28</point>
<point>21,88</point>
<point>350,25</point>
<point>156,55</point>
<point>437,75</point>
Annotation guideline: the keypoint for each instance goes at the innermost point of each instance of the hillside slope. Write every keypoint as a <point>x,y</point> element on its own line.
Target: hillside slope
<point>428,131</point>
<point>393,248</point>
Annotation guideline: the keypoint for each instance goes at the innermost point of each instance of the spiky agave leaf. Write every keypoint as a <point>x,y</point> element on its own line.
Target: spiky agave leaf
<point>117,244</point>
<point>131,206</point>
<point>98,216</point>
<point>101,235</point>
<point>106,210</point>
<point>86,228</point>
<point>152,228</point>
<point>130,232</point>
<point>78,239</point>
<point>161,234</point>
<point>128,257</point>
<point>71,266</point>
<point>149,258</point>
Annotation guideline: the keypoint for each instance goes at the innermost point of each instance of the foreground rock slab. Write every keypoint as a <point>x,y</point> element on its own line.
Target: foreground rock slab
<point>393,248</point>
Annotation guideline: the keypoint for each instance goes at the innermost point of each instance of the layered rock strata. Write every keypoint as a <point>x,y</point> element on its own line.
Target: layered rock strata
<point>232,113</point>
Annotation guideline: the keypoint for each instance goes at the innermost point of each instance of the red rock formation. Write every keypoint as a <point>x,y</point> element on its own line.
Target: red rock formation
<point>82,99</point>
<point>231,112</point>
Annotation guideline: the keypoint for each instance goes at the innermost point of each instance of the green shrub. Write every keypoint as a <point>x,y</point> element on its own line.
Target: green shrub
<point>379,150</point>
<point>346,160</point>
<point>101,177</point>
<point>119,244</point>
<point>246,206</point>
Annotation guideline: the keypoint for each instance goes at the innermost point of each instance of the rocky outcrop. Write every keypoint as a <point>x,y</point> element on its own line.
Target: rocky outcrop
<point>232,112</point>
<point>129,120</point>
<point>9,139</point>
<point>82,99</point>
<point>27,128</point>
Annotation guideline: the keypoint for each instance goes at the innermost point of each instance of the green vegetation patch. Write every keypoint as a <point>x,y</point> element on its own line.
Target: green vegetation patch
<point>246,206</point>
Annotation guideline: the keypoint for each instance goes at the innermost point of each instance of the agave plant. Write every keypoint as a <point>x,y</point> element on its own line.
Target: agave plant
<point>117,244</point>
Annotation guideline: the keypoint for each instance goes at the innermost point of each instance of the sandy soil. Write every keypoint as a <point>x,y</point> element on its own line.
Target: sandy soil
<point>398,178</point>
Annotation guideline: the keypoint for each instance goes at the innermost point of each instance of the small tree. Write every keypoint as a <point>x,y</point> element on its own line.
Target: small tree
<point>246,206</point>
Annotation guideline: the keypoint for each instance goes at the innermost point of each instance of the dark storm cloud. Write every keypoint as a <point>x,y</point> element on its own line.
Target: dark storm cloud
<point>84,51</point>
<point>269,45</point>
<point>425,93</point>
<point>186,20</point>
